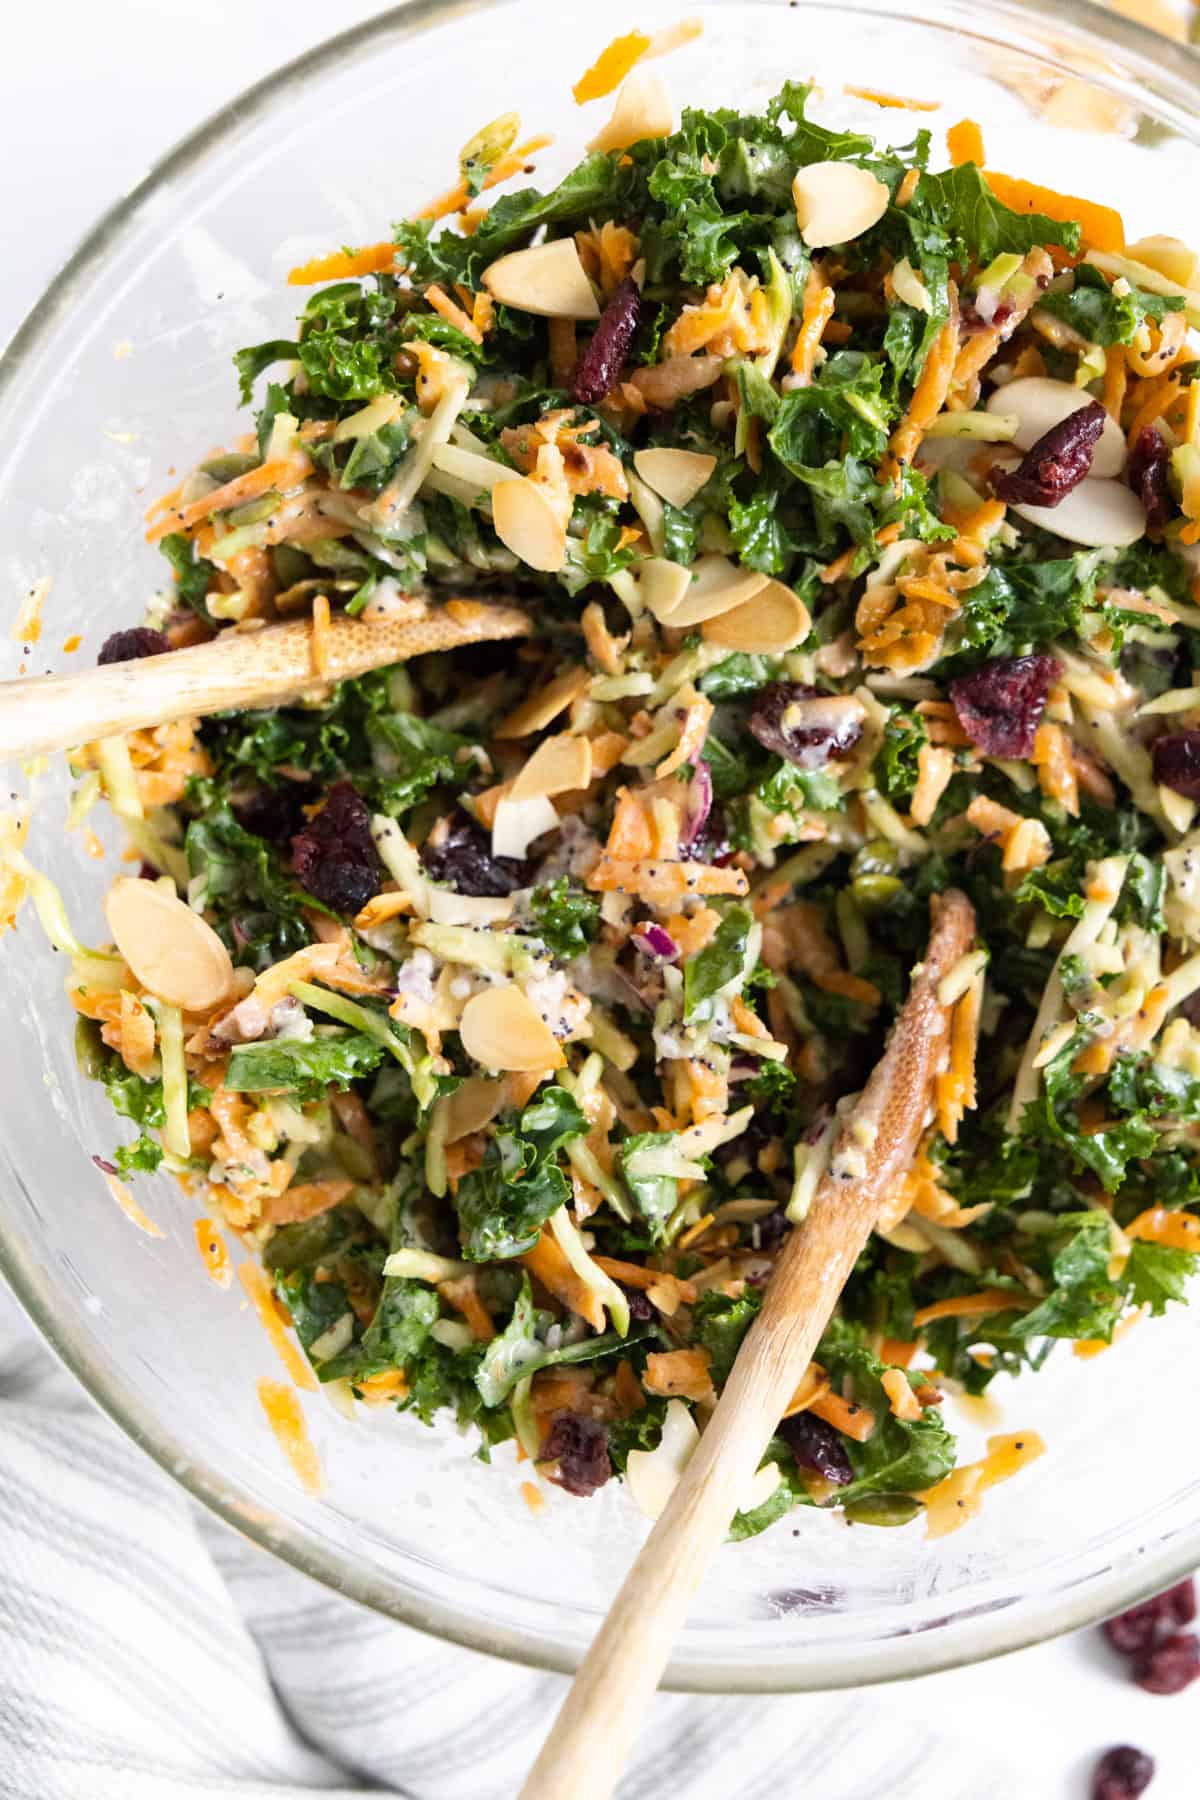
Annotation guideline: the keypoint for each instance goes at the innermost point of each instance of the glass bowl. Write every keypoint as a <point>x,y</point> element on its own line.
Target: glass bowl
<point>123,369</point>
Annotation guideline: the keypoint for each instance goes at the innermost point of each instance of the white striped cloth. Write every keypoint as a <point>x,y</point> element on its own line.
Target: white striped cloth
<point>148,1653</point>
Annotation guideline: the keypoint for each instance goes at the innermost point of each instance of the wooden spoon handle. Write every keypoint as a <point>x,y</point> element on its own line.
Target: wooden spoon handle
<point>238,668</point>
<point>588,1744</point>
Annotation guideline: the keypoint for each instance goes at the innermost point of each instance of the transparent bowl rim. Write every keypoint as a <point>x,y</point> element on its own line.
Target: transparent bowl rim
<point>1166,71</point>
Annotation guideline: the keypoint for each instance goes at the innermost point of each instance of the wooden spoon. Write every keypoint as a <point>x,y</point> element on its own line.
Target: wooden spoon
<point>588,1743</point>
<point>238,668</point>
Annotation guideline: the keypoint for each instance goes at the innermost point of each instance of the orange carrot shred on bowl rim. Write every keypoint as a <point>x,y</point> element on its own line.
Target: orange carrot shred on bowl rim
<point>964,143</point>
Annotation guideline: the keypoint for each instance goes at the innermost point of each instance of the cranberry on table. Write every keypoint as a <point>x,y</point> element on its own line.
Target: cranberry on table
<point>1000,704</point>
<point>1169,1667</point>
<point>127,646</point>
<point>580,1448</point>
<point>334,857</point>
<point>1122,1774</point>
<point>1138,1627</point>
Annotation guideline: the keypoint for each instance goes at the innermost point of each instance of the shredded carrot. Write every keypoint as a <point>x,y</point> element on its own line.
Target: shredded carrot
<point>213,1252</point>
<point>1116,376</point>
<point>378,1390</point>
<point>639,1276</point>
<point>27,626</point>
<point>611,67</point>
<point>955,1090</point>
<point>129,1205</point>
<point>627,1390</point>
<point>459,195</point>
<point>463,1294</point>
<point>304,1200</point>
<point>319,641</point>
<point>850,987</point>
<point>959,1497</point>
<point>965,1306</point>
<point>533,1497</point>
<point>345,265</point>
<point>564,352</point>
<point>663,882</point>
<point>547,1262</point>
<point>453,314</point>
<point>819,299</point>
<point>964,144</point>
<point>282,472</point>
<point>286,1419</point>
<point>1101,227</point>
<point>880,97</point>
<point>897,1351</point>
<point>71,644</point>
<point>857,1422</point>
<point>901,1399</point>
<point>1176,1230</point>
<point>908,187</point>
<point>258,1291</point>
<point>929,395</point>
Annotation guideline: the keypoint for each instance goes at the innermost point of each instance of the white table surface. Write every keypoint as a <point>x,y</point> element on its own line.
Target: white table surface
<point>90,95</point>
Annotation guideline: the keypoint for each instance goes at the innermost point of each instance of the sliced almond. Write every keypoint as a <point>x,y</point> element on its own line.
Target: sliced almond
<point>675,475</point>
<point>518,822</point>
<point>643,110</point>
<point>501,1029</point>
<point>472,1106</point>
<point>1098,514</point>
<point>653,1475</point>
<point>662,585</point>
<point>547,279</point>
<point>480,472</point>
<point>527,524</point>
<point>716,587</point>
<point>910,287</point>
<point>541,708</point>
<point>172,951</point>
<point>557,766</point>
<point>1040,403</point>
<point>773,621</point>
<point>836,202</point>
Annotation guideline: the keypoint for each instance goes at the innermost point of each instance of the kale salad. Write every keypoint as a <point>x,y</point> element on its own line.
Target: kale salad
<point>502,1001</point>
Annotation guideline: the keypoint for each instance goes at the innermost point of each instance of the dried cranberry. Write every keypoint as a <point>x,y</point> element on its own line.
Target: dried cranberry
<point>1000,704</point>
<point>1057,463</point>
<point>817,1447</point>
<point>641,1308</point>
<point>127,646</point>
<point>1176,758</point>
<point>459,852</point>
<point>580,1448</point>
<point>1122,1774</point>
<point>604,357</point>
<point>334,856</point>
<point>1139,1626</point>
<point>805,727</point>
<point>1146,473</point>
<point>1169,1667</point>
